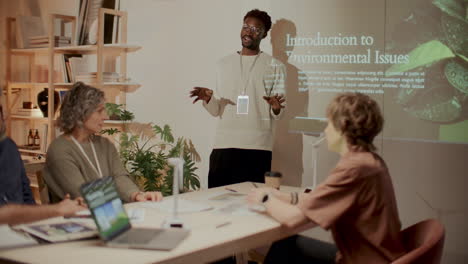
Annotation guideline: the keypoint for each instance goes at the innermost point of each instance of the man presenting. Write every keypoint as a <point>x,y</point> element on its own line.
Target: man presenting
<point>249,97</point>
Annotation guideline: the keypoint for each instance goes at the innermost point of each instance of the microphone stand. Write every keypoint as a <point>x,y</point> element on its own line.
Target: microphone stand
<point>315,147</point>
<point>177,185</point>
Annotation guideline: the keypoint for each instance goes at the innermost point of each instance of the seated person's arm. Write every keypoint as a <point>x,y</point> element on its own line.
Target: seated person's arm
<point>287,214</point>
<point>14,214</point>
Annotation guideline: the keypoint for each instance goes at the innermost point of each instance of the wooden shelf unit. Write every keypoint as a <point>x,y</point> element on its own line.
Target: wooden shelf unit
<point>14,91</point>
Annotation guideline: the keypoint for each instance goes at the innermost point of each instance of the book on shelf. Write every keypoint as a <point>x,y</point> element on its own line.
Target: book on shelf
<point>46,37</point>
<point>91,77</point>
<point>94,74</point>
<point>27,27</point>
<point>43,41</point>
<point>69,66</point>
<point>94,80</point>
<point>45,45</point>
<point>89,13</point>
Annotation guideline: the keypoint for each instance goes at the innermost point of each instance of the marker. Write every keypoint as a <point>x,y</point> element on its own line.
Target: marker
<point>229,189</point>
<point>255,185</point>
<point>223,224</point>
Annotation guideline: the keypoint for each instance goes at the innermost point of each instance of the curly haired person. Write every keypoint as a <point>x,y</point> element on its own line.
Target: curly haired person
<point>356,201</point>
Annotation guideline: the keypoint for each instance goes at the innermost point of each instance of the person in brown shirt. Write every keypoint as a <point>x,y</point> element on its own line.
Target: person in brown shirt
<point>356,201</point>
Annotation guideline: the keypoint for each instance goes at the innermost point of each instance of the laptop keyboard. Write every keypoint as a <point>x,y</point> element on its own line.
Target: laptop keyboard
<point>137,236</point>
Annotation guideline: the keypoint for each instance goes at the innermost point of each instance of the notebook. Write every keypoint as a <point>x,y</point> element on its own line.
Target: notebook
<point>60,231</point>
<point>114,225</point>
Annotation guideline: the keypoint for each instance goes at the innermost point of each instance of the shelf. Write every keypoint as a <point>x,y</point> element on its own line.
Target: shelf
<point>40,119</point>
<point>112,55</point>
<point>84,49</point>
<point>115,122</point>
<point>124,87</point>
<point>22,150</point>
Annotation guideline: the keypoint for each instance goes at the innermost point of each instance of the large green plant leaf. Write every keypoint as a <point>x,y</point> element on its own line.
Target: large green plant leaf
<point>126,115</point>
<point>165,133</point>
<point>113,109</point>
<point>110,131</point>
<point>175,151</point>
<point>191,180</point>
<point>426,53</point>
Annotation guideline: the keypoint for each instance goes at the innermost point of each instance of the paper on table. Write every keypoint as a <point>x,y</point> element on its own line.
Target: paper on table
<point>10,238</point>
<point>84,213</point>
<point>236,208</point>
<point>226,196</point>
<point>184,206</point>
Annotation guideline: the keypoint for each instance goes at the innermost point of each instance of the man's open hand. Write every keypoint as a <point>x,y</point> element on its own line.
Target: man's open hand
<point>201,94</point>
<point>276,101</point>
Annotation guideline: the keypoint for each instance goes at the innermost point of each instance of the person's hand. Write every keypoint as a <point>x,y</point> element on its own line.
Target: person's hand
<point>201,94</point>
<point>270,190</point>
<point>68,207</point>
<point>256,195</point>
<point>147,196</point>
<point>276,101</point>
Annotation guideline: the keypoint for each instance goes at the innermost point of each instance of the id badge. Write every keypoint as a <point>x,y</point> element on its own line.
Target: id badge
<point>242,104</point>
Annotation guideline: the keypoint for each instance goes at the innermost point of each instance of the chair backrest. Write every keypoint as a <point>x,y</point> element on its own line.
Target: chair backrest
<point>424,242</point>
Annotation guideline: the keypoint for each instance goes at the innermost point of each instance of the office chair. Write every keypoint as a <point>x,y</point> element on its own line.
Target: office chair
<point>424,242</point>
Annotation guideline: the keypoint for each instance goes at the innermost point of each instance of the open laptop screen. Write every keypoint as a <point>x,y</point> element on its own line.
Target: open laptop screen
<point>106,207</point>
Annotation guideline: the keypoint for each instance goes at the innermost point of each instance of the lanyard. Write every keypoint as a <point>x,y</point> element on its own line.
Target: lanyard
<point>249,73</point>
<point>98,170</point>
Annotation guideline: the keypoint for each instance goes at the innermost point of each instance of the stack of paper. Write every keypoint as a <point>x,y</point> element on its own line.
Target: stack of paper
<point>91,77</point>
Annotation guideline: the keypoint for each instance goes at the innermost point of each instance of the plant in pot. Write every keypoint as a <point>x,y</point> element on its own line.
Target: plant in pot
<point>145,149</point>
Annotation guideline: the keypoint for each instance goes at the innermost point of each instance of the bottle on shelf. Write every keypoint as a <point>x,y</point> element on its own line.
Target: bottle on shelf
<point>30,138</point>
<point>37,139</point>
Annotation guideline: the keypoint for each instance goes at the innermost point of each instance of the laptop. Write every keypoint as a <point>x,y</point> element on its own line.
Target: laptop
<point>114,225</point>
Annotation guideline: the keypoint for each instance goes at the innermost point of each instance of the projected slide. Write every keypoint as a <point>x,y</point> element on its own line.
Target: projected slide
<point>411,56</point>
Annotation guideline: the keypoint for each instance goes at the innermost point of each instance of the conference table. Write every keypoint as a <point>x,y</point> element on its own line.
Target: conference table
<point>227,229</point>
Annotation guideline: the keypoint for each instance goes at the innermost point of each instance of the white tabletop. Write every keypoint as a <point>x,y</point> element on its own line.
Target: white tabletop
<point>206,242</point>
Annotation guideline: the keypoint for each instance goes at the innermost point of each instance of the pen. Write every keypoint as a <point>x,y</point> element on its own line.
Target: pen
<point>229,189</point>
<point>223,224</point>
<point>255,185</point>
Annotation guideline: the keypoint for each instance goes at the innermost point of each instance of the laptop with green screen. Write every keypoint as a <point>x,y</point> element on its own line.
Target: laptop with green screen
<point>114,225</point>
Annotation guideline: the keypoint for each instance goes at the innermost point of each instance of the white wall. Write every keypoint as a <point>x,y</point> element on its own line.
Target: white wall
<point>182,39</point>
<point>181,42</point>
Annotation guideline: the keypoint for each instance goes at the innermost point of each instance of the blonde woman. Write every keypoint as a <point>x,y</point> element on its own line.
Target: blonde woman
<point>80,154</point>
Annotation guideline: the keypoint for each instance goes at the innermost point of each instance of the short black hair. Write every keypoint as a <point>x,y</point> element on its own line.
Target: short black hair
<point>262,16</point>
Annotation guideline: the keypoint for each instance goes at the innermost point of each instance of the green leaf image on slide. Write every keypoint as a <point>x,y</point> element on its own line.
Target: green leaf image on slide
<point>454,132</point>
<point>453,8</point>
<point>463,57</point>
<point>427,53</point>
<point>457,76</point>
<point>442,62</point>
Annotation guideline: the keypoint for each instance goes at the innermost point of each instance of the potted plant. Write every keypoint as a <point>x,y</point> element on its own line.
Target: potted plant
<point>117,112</point>
<point>146,147</point>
